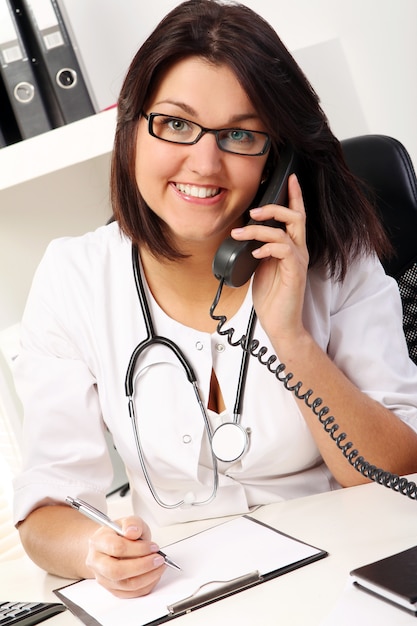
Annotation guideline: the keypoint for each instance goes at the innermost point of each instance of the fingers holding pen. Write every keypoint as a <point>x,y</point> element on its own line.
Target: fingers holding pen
<point>129,578</point>
<point>124,546</point>
<point>125,566</point>
<point>135,528</point>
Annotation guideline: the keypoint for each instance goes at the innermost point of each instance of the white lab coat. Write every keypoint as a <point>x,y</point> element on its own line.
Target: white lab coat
<point>81,324</point>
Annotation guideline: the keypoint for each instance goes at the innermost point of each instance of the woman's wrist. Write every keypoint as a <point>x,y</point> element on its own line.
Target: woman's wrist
<point>292,347</point>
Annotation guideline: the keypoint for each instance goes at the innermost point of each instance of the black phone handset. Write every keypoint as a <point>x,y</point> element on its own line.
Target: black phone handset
<point>233,265</point>
<point>234,262</point>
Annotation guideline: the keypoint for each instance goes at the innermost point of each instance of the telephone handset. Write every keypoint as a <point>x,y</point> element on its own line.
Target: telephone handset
<point>233,261</point>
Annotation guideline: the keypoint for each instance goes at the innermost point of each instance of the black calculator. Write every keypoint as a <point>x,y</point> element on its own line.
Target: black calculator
<point>27,613</point>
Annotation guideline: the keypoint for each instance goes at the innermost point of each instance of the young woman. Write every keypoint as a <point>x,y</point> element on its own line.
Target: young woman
<point>210,104</point>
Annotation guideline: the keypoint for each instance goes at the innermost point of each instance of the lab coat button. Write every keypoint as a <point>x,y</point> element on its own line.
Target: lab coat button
<point>186,438</point>
<point>220,347</point>
<point>199,345</point>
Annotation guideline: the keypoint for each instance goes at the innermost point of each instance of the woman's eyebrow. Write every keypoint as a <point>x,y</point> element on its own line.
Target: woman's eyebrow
<point>188,110</point>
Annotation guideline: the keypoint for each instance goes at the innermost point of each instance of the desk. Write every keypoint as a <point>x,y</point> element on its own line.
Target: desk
<point>355,525</point>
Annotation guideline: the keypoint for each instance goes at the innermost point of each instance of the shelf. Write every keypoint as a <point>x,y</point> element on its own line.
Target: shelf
<point>57,149</point>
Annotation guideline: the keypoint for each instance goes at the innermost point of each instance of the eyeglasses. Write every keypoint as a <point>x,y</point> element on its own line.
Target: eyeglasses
<point>182,131</point>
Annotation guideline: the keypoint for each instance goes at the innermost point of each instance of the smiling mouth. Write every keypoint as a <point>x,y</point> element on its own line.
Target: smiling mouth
<point>197,192</point>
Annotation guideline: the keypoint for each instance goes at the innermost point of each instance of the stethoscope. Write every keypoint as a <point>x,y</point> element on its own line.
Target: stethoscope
<point>229,441</point>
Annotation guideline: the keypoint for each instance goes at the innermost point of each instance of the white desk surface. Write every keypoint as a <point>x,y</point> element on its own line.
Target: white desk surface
<point>355,526</point>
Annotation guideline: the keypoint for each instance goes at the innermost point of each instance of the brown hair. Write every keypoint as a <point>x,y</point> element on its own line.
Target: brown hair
<point>341,224</point>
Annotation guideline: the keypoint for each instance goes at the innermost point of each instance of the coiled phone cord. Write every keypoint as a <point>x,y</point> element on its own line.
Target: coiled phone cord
<point>378,475</point>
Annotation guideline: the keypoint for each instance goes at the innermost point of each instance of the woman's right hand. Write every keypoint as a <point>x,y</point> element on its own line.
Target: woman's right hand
<point>127,566</point>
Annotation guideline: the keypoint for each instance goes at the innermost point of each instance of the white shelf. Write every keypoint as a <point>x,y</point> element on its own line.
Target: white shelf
<point>57,149</point>
<point>53,185</point>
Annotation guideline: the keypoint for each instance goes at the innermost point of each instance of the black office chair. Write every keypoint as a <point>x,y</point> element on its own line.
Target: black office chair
<point>386,168</point>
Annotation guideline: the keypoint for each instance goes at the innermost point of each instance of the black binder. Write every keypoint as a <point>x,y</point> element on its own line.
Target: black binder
<point>23,113</point>
<point>8,125</point>
<point>57,65</point>
<point>3,142</point>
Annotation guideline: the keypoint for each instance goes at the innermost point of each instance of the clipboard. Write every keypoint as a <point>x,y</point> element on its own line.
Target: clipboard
<point>219,562</point>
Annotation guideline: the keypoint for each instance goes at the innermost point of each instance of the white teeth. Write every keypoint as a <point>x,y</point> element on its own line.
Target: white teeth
<point>197,192</point>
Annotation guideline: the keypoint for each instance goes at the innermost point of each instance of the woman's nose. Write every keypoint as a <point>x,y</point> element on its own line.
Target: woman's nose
<point>205,157</point>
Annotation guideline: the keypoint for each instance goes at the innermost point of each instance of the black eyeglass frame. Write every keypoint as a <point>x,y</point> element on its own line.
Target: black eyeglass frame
<point>203,131</point>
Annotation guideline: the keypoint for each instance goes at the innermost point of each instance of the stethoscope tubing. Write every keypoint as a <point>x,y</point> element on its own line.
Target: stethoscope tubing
<point>153,339</point>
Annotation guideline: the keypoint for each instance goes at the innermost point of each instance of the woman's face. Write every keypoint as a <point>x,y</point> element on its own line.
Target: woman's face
<point>198,190</point>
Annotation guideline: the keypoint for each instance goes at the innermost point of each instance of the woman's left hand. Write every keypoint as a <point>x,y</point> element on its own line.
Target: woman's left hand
<point>280,280</point>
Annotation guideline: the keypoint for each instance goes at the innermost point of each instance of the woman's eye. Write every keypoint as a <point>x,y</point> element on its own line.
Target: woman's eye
<point>174,125</point>
<point>177,125</point>
<point>240,136</point>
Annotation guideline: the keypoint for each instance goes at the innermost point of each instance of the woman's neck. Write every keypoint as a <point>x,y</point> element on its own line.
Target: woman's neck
<point>186,288</point>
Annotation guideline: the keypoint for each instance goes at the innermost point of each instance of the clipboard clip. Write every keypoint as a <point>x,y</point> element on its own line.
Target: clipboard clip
<point>218,589</point>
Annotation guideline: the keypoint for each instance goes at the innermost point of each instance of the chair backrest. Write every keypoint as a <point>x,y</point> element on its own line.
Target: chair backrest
<point>385,166</point>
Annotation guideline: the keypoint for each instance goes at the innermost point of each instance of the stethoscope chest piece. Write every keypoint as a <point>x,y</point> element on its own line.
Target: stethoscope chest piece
<point>229,442</point>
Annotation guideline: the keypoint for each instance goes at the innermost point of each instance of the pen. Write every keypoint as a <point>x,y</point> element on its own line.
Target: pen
<point>101,518</point>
